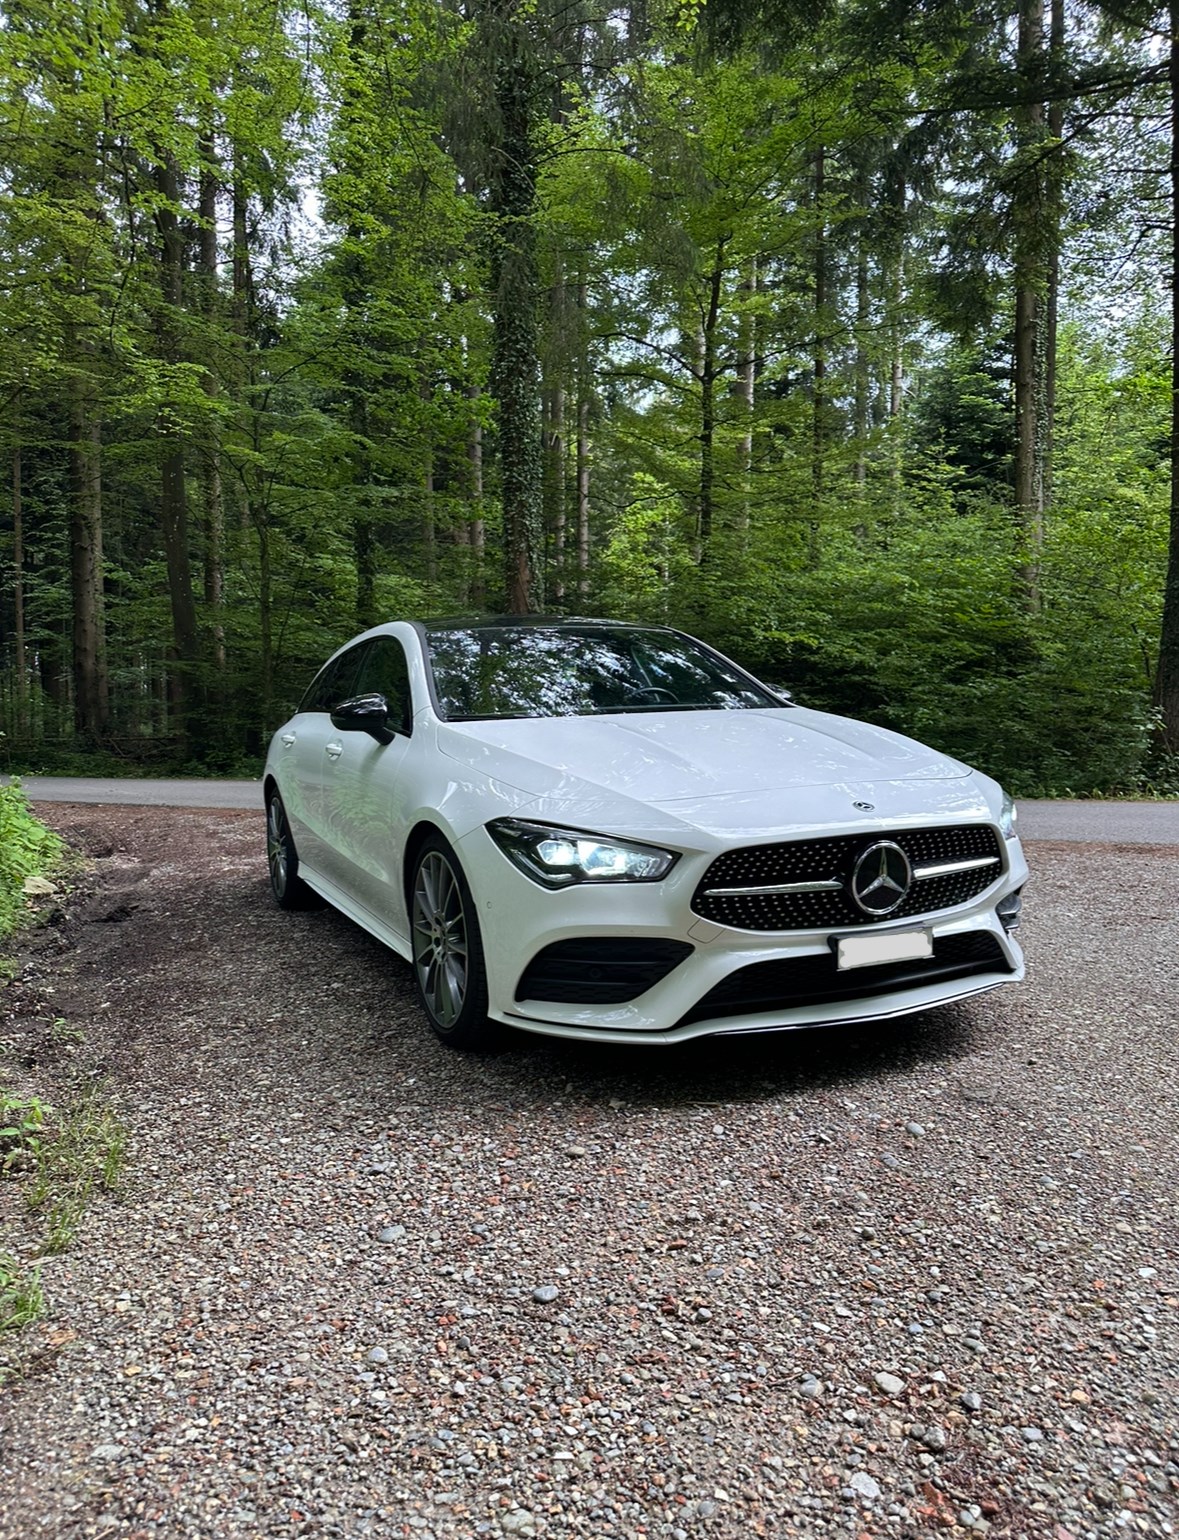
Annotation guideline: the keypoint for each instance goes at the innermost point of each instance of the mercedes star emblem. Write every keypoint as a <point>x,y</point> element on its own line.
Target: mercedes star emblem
<point>881,879</point>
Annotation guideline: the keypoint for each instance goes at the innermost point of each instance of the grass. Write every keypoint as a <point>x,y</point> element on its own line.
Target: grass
<point>85,1150</point>
<point>21,1299</point>
<point>27,850</point>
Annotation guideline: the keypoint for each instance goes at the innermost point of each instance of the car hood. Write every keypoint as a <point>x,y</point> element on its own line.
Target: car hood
<point>670,759</point>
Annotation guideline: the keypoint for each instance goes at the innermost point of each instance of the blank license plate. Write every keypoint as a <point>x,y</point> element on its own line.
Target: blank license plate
<point>895,946</point>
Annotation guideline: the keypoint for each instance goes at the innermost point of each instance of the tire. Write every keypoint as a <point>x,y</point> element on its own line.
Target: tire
<point>448,967</point>
<point>289,889</point>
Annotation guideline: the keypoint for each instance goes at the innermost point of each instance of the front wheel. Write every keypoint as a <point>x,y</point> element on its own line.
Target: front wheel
<point>448,950</point>
<point>289,889</point>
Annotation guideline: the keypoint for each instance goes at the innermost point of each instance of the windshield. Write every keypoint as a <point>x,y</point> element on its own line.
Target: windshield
<point>535,671</point>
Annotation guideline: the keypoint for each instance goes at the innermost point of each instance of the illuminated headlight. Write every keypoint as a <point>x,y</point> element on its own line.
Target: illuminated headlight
<point>1007,818</point>
<point>557,858</point>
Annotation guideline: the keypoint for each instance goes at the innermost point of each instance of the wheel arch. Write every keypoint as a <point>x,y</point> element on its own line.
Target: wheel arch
<point>417,837</point>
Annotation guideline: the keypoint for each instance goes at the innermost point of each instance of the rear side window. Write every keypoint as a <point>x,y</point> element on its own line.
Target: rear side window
<point>385,671</point>
<point>336,681</point>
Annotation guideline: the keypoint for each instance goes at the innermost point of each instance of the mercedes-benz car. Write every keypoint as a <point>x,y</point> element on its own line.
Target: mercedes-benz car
<point>613,832</point>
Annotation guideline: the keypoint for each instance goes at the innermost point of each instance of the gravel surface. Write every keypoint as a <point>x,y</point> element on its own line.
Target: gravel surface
<point>906,1281</point>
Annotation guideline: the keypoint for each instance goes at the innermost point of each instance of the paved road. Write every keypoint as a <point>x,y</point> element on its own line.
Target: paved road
<point>143,793</point>
<point>1121,823</point>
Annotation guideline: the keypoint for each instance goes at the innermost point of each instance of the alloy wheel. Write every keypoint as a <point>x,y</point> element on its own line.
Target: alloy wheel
<point>440,943</point>
<point>277,857</point>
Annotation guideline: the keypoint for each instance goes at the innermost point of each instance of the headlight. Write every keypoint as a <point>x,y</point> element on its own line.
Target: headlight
<point>557,858</point>
<point>1007,818</point>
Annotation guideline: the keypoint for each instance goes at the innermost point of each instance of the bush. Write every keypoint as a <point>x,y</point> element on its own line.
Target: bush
<point>27,849</point>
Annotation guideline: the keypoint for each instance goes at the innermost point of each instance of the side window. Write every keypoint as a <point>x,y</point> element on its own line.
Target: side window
<point>336,682</point>
<point>386,672</point>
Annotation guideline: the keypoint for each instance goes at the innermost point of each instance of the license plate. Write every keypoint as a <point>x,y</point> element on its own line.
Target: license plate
<point>893,946</point>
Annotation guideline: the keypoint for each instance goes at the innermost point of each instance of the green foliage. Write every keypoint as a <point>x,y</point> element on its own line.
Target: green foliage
<point>86,1148</point>
<point>21,1122</point>
<point>27,849</point>
<point>21,1299</point>
<point>764,257</point>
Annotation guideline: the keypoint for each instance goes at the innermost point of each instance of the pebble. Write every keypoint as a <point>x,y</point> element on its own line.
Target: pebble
<point>391,1233</point>
<point>890,1384</point>
<point>971,1400</point>
<point>378,1356</point>
<point>545,1293</point>
<point>917,1130</point>
<point>107,1452</point>
<point>575,1151</point>
<point>1031,1435</point>
<point>864,1486</point>
<point>934,1438</point>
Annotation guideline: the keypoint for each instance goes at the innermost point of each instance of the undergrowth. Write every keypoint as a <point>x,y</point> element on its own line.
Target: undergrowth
<point>27,850</point>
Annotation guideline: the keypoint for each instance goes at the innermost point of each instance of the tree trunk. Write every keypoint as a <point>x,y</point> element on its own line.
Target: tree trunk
<point>584,399</point>
<point>213,499</point>
<point>91,691</point>
<point>1167,673</point>
<point>819,419</point>
<point>1054,180</point>
<point>745,391</point>
<point>1027,216</point>
<point>20,662</point>
<point>477,586</point>
<point>863,320</point>
<point>429,530</point>
<point>708,378</point>
<point>515,294</point>
<point>173,495</point>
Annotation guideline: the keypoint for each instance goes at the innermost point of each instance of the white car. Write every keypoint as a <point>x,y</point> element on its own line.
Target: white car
<point>611,832</point>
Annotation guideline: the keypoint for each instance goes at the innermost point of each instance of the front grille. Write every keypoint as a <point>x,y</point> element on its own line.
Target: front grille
<point>832,859</point>
<point>600,970</point>
<point>789,983</point>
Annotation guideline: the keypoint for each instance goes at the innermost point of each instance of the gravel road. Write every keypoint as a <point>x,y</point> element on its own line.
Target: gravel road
<point>906,1281</point>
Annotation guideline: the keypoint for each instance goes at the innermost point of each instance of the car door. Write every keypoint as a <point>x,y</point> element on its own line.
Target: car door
<point>365,803</point>
<point>311,749</point>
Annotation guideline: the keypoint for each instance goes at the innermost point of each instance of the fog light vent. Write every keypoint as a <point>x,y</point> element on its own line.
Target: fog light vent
<point>1008,909</point>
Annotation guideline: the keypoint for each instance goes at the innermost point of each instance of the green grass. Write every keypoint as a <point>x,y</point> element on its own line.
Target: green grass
<point>84,1148</point>
<point>27,849</point>
<point>21,1299</point>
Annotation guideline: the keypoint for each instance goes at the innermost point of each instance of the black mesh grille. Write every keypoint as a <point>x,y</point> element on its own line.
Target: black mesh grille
<point>788,983</point>
<point>822,860</point>
<point>600,970</point>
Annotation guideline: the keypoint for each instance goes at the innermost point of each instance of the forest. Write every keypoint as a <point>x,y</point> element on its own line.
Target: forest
<point>836,332</point>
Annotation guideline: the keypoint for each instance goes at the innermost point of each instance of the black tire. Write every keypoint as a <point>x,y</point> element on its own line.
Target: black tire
<point>448,967</point>
<point>289,889</point>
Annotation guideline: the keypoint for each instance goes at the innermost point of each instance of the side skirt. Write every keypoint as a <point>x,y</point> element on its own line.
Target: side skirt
<point>357,912</point>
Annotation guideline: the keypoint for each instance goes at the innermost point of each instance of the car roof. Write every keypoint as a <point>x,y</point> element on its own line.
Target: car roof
<point>547,622</point>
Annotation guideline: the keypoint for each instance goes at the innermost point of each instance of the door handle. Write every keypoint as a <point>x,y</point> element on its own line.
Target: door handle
<point>287,740</point>
<point>333,750</point>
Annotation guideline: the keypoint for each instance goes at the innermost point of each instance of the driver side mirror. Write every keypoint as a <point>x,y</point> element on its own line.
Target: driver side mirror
<point>365,714</point>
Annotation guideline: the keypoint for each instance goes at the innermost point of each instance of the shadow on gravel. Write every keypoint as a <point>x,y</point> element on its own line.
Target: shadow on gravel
<point>748,1068</point>
<point>527,1069</point>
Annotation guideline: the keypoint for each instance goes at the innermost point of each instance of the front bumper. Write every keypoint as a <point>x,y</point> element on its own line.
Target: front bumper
<point>519,920</point>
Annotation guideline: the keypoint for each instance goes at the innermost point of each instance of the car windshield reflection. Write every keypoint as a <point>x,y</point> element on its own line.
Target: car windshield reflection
<point>490,672</point>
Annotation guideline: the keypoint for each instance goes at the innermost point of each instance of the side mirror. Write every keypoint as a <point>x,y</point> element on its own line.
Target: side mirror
<point>365,714</point>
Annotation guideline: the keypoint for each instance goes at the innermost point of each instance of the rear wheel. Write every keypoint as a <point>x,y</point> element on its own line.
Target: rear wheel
<point>448,950</point>
<point>289,889</point>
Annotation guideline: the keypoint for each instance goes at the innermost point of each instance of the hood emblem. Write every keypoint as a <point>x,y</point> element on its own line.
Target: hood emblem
<point>864,807</point>
<point>881,879</point>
